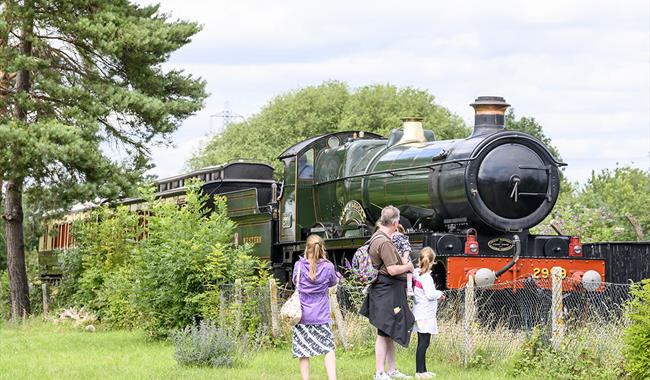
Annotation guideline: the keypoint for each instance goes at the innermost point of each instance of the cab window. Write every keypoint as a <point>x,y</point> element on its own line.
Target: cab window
<point>306,165</point>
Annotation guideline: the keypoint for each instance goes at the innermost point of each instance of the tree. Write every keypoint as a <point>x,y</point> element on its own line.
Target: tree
<point>612,206</point>
<point>81,75</point>
<point>532,127</point>
<point>329,107</point>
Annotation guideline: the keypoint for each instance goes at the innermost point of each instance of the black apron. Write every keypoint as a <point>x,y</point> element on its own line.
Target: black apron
<point>386,307</point>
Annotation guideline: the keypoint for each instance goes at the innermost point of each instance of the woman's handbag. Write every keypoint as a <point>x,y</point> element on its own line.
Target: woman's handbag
<point>291,311</point>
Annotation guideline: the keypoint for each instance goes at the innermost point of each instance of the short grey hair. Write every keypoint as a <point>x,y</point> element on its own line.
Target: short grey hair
<point>389,215</point>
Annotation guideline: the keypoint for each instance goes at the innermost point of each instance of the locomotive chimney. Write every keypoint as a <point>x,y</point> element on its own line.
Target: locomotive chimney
<point>413,132</point>
<point>489,114</point>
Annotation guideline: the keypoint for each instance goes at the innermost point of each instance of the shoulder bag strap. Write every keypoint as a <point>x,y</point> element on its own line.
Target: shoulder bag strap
<point>372,240</point>
<point>298,277</point>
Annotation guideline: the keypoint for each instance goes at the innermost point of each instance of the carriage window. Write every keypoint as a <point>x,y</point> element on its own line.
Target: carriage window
<point>306,165</point>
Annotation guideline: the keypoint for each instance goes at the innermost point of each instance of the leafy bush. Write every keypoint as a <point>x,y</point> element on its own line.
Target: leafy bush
<point>4,295</point>
<point>163,274</point>
<point>63,295</point>
<point>184,258</point>
<point>205,344</point>
<point>106,241</point>
<point>637,335</point>
<point>576,359</point>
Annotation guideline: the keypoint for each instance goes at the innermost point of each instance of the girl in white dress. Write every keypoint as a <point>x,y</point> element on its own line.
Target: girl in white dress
<point>425,309</point>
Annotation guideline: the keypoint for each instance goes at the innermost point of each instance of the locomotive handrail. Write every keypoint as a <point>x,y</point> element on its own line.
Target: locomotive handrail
<point>393,171</point>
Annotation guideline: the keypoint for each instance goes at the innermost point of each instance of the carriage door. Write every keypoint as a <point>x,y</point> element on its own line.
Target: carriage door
<point>288,201</point>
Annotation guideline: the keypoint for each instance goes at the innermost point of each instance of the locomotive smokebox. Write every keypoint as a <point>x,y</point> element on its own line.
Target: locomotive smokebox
<point>489,114</point>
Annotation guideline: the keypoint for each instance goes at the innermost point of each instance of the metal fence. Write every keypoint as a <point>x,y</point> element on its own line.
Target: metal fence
<point>492,321</point>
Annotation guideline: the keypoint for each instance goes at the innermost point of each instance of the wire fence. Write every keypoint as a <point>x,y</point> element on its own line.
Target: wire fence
<point>491,321</point>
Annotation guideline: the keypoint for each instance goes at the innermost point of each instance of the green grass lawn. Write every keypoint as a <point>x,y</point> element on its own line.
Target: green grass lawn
<point>45,351</point>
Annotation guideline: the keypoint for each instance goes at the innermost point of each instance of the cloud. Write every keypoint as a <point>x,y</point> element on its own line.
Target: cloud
<point>581,69</point>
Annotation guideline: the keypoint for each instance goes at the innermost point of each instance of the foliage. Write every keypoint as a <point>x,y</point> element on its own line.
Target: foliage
<point>68,289</point>
<point>105,248</point>
<point>600,210</point>
<point>637,335</point>
<point>160,274</point>
<point>4,295</point>
<point>93,73</point>
<point>185,255</point>
<point>205,344</point>
<point>329,107</point>
<point>77,76</point>
<point>574,360</point>
<point>532,127</point>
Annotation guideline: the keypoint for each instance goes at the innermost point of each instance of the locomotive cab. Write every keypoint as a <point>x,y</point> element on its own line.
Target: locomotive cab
<point>303,163</point>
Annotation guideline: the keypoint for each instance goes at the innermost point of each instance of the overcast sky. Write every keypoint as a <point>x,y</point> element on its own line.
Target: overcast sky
<point>581,68</point>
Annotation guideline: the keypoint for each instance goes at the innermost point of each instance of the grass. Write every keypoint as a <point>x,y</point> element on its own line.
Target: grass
<point>38,350</point>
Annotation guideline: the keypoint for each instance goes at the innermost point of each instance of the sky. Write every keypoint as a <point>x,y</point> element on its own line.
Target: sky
<point>580,68</point>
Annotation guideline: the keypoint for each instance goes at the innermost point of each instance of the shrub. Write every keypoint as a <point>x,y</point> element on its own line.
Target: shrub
<point>4,295</point>
<point>117,296</point>
<point>637,335</point>
<point>163,274</point>
<point>64,294</point>
<point>205,344</point>
<point>577,358</point>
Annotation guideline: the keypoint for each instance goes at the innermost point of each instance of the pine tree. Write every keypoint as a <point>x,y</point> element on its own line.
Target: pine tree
<point>77,76</point>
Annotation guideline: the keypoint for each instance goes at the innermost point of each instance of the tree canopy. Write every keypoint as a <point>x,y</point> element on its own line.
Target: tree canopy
<point>532,127</point>
<point>612,206</point>
<point>81,76</point>
<point>329,107</point>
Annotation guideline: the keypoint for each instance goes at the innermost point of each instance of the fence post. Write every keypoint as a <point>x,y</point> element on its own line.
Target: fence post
<point>557,318</point>
<point>238,304</point>
<point>46,303</point>
<point>273,296</point>
<point>338,317</point>
<point>222,307</point>
<point>470,311</point>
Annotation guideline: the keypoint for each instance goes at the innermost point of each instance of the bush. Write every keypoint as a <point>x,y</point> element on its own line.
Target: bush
<point>637,335</point>
<point>4,295</point>
<point>163,274</point>
<point>64,294</point>
<point>205,344</point>
<point>577,358</point>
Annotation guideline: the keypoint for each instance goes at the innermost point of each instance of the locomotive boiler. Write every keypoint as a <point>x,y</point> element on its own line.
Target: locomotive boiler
<point>495,179</point>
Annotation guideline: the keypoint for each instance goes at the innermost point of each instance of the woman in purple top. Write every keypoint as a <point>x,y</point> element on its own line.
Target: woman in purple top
<point>313,335</point>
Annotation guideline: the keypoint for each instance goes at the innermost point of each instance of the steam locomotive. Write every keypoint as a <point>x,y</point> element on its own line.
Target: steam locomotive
<point>473,200</point>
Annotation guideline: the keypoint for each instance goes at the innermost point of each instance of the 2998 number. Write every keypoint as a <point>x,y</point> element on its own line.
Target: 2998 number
<point>545,273</point>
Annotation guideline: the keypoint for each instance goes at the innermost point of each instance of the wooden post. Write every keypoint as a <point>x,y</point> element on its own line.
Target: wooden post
<point>222,308</point>
<point>338,317</point>
<point>557,318</point>
<point>238,305</point>
<point>275,318</point>
<point>637,227</point>
<point>470,312</point>
<point>46,303</point>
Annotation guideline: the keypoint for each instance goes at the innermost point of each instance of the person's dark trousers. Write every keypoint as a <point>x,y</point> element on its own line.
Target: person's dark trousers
<point>421,353</point>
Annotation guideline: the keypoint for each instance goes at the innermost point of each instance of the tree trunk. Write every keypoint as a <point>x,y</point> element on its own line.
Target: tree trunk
<point>19,292</point>
<point>16,250</point>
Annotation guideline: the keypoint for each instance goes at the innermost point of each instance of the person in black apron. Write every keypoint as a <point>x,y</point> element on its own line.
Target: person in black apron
<point>386,305</point>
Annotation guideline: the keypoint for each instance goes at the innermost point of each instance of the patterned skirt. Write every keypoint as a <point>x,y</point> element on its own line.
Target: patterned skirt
<point>311,340</point>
